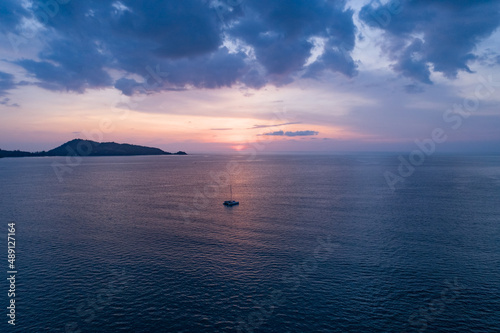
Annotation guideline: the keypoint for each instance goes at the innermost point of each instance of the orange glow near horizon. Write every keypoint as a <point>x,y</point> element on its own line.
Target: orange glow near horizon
<point>239,147</point>
<point>222,120</point>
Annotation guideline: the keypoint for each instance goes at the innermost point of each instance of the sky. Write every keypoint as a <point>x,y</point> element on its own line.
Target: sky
<point>271,75</point>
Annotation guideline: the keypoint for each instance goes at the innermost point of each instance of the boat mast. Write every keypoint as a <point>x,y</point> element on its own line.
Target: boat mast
<point>231,189</point>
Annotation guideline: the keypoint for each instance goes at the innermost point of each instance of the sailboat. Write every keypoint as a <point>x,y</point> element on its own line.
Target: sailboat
<point>231,202</point>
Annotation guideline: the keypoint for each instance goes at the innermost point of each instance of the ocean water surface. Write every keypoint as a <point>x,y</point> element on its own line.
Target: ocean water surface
<point>317,244</point>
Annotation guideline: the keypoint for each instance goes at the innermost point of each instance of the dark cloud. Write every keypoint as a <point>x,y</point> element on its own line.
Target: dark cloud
<point>280,31</point>
<point>69,66</point>
<point>6,83</point>
<point>128,86</point>
<point>336,60</point>
<point>169,45</point>
<point>448,32</point>
<point>85,39</point>
<point>412,64</point>
<point>214,70</point>
<point>297,133</point>
<point>301,133</point>
<point>277,133</point>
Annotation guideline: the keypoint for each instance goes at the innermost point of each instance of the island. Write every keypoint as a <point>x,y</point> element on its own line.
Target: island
<point>80,147</point>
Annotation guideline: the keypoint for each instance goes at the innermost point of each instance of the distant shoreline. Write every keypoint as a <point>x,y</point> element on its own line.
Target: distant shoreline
<point>80,147</point>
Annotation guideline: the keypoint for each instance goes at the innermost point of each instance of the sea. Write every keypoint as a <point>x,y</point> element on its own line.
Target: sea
<point>318,243</point>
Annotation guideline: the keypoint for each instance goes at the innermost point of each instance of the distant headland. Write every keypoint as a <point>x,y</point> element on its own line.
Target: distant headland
<point>80,147</point>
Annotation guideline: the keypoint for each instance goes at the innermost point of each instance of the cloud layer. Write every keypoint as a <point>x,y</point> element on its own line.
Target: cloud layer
<point>424,36</point>
<point>6,83</point>
<point>151,46</point>
<point>296,133</point>
<point>169,44</point>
